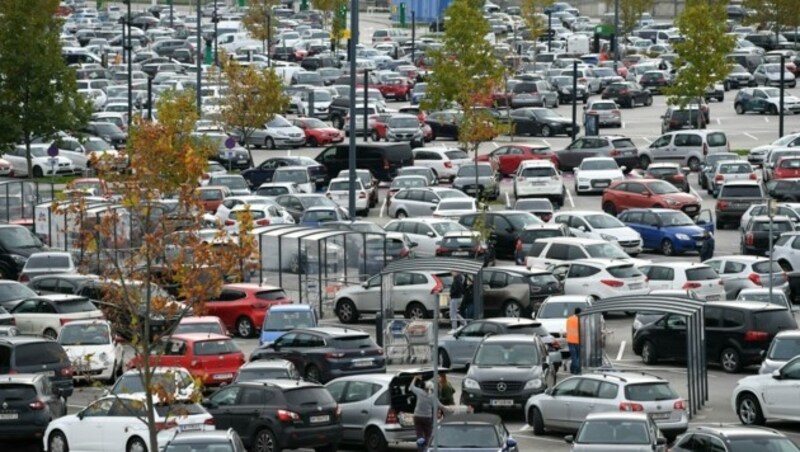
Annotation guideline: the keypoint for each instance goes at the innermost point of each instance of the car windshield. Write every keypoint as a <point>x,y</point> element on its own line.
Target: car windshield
<point>777,298</point>
<point>299,176</point>
<point>662,188</point>
<point>605,250</point>
<point>85,335</point>
<point>448,226</point>
<point>773,444</point>
<point>246,374</point>
<point>650,392</point>
<point>538,171</point>
<point>784,348</point>
<point>467,436</point>
<point>404,123</point>
<point>507,355</point>
<point>279,121</point>
<point>559,310</point>
<point>598,165</point>
<point>199,446</point>
<point>18,237</point>
<point>132,383</point>
<point>198,327</point>
<point>288,320</point>
<point>613,432</point>
<point>231,182</point>
<point>603,222</point>
<point>534,204</point>
<point>676,218</point>
<point>220,347</point>
<point>469,171</point>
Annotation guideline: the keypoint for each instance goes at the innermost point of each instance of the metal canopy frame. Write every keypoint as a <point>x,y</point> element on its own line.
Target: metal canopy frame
<point>692,310</point>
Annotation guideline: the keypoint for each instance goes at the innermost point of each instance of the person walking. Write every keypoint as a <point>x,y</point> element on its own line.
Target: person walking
<point>423,410</point>
<point>574,342</point>
<point>707,250</point>
<point>456,294</point>
<point>446,391</point>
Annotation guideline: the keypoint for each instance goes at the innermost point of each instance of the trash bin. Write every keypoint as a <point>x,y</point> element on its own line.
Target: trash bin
<point>591,124</point>
<point>794,287</point>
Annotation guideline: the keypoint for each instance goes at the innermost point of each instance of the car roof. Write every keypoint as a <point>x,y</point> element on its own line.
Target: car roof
<point>249,286</point>
<point>20,378</point>
<point>198,337</point>
<point>742,182</point>
<point>282,383</point>
<point>573,240</point>
<point>89,322</point>
<point>623,415</point>
<point>581,212</point>
<point>534,163</point>
<point>291,308</point>
<point>198,319</point>
<point>472,418</point>
<point>520,270</point>
<point>743,258</point>
<point>267,364</point>
<point>747,305</point>
<point>603,262</point>
<point>19,340</point>
<point>730,430</point>
<point>334,331</point>
<point>681,265</point>
<point>207,436</point>
<point>384,378</point>
<point>59,297</point>
<point>789,333</point>
<point>511,338</point>
<point>568,299</point>
<point>512,321</point>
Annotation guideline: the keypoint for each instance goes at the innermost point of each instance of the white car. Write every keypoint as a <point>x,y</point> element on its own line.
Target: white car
<point>785,346</point>
<point>45,315</point>
<point>601,278</point>
<point>426,232</point>
<point>759,398</point>
<point>601,226</point>
<point>762,295</point>
<point>553,314</point>
<point>453,208</point>
<point>700,278</point>
<point>444,161</point>
<point>339,192</point>
<point>92,349</point>
<point>40,161</point>
<point>556,250</point>
<point>262,215</point>
<point>177,380</point>
<point>274,189</point>
<point>541,179</point>
<point>728,171</point>
<point>757,154</point>
<point>231,202</point>
<point>115,423</point>
<point>6,168</point>
<point>596,173</point>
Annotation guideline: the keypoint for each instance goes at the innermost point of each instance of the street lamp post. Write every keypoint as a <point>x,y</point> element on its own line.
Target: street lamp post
<point>351,155</point>
<point>616,33</point>
<point>549,30</point>
<point>216,21</point>
<point>199,62</point>
<point>128,47</point>
<point>780,106</point>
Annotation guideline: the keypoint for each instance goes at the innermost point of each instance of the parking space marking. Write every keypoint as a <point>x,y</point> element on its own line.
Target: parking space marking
<point>621,350</point>
<point>495,145</point>
<point>569,197</point>
<point>750,136</point>
<point>719,121</point>
<point>648,140</point>
<point>508,201</point>
<point>546,143</point>
<point>766,118</point>
<point>383,207</point>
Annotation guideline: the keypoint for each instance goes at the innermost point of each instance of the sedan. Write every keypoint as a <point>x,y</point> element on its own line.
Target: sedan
<point>540,122</point>
<point>618,432</point>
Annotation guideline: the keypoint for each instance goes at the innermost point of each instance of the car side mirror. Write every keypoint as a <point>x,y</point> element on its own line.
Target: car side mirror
<point>661,441</point>
<point>364,285</point>
<point>511,443</point>
<point>582,228</point>
<point>80,415</point>
<point>431,234</point>
<point>569,439</point>
<point>413,245</point>
<point>777,375</point>
<point>623,168</point>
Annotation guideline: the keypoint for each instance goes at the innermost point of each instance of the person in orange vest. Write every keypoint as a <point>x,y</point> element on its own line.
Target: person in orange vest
<point>574,342</point>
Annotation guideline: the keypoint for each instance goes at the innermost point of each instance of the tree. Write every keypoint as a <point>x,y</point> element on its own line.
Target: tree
<point>630,11</point>
<point>38,92</point>
<point>702,54</point>
<point>337,10</point>
<point>777,14</point>
<point>532,12</point>
<point>255,20</point>
<point>254,97</point>
<point>132,239</point>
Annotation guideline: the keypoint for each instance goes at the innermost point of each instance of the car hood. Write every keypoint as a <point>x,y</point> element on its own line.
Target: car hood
<point>554,325</point>
<point>622,234</point>
<point>504,373</point>
<point>467,449</point>
<point>83,354</point>
<point>682,198</point>
<point>758,381</point>
<point>688,230</point>
<point>614,447</point>
<point>600,174</point>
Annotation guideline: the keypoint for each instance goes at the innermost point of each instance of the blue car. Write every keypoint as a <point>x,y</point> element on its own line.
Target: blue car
<point>669,231</point>
<point>418,93</point>
<point>285,317</point>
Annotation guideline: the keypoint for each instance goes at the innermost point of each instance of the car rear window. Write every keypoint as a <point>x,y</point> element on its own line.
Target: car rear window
<point>308,396</point>
<point>624,271</point>
<point>179,409</point>
<point>650,392</point>
<point>741,191</point>
<point>623,143</point>
<point>774,320</point>
<point>763,267</point>
<point>716,139</point>
<point>456,155</point>
<point>538,172</point>
<point>73,306</point>
<point>48,261</point>
<point>37,354</point>
<point>221,347</point>
<point>16,392</point>
<point>777,226</point>
<point>701,274</point>
<point>271,295</point>
<point>353,342</point>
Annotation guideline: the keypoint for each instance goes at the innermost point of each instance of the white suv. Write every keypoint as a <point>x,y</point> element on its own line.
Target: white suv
<point>444,162</point>
<point>555,250</point>
<point>758,398</point>
<point>541,179</point>
<point>601,226</point>
<point>700,278</point>
<point>426,232</point>
<point>601,278</point>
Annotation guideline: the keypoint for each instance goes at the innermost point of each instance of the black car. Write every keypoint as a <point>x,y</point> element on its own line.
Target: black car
<point>444,124</point>
<point>264,171</point>
<point>278,414</point>
<point>17,243</point>
<point>784,190</point>
<point>540,122</point>
<point>322,354</point>
<point>756,233</point>
<point>28,354</point>
<point>655,81</point>
<point>506,225</point>
<point>29,402</point>
<point>732,438</point>
<point>383,160</point>
<point>12,291</point>
<point>736,334</point>
<point>465,245</point>
<point>297,203</point>
<point>735,198</point>
<point>473,431</point>
<point>109,132</point>
<point>739,77</point>
<point>628,94</point>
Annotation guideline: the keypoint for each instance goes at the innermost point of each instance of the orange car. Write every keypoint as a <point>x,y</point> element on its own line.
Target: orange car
<point>644,193</point>
<point>211,196</point>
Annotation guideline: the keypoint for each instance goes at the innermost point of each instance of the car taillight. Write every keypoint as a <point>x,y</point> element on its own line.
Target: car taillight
<point>448,165</point>
<point>679,177</point>
<point>37,405</point>
<point>441,250</point>
<point>206,176</point>
<point>755,278</point>
<point>404,252</point>
<point>753,176</point>
<point>66,371</point>
<point>722,205</point>
<point>719,177</point>
<point>437,288</point>
<point>612,282</point>
<point>391,417</point>
<point>334,355</point>
<point>748,239</point>
<point>209,421</point>
<point>546,217</point>
<point>630,406</point>
<point>65,321</point>
<point>755,336</point>
<point>679,405</point>
<point>24,278</point>
<point>263,222</point>
<point>229,222</point>
<point>362,195</point>
<point>691,285</point>
<point>705,149</point>
<point>614,152</point>
<point>161,426</point>
<point>615,112</point>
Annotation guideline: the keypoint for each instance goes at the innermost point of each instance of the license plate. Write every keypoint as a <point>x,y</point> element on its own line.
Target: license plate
<point>601,184</point>
<point>712,298</point>
<point>365,362</point>
<point>319,419</point>
<point>190,427</point>
<point>242,162</point>
<point>460,253</point>
<point>319,179</point>
<point>49,373</point>
<point>661,415</point>
<point>699,243</point>
<point>502,402</point>
<point>406,419</point>
<point>9,416</point>
<point>223,376</point>
<point>536,182</point>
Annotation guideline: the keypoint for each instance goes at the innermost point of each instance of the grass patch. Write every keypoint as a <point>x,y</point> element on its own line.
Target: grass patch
<point>742,152</point>
<point>57,180</point>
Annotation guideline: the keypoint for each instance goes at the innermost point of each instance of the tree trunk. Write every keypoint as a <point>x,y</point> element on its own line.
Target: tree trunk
<point>28,159</point>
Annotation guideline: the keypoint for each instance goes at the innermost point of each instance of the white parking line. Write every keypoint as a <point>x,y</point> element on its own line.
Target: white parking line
<point>495,145</point>
<point>621,350</point>
<point>648,140</point>
<point>719,121</point>
<point>508,201</point>
<point>569,198</point>
<point>766,118</point>
<point>623,124</point>
<point>750,136</point>
<point>383,207</point>
<point>546,143</point>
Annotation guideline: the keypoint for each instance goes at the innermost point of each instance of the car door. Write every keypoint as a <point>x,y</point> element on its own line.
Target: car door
<point>733,278</point>
<point>660,278</point>
<point>687,145</point>
<point>224,306</point>
<point>368,299</point>
<point>637,195</point>
<point>495,282</point>
<point>425,237</point>
<point>662,150</point>
<point>523,122</point>
<point>503,233</point>
<point>252,400</point>
<point>416,203</point>
<point>583,403</point>
<point>88,433</point>
<point>465,341</point>
<point>649,227</point>
<point>580,279</point>
<point>782,395</point>
<point>24,316</point>
<point>123,418</point>
<point>356,404</point>
<point>671,341</point>
<point>574,153</point>
<point>220,405</point>
<point>556,408</point>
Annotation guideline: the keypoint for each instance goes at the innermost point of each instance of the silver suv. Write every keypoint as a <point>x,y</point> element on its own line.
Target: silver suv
<point>607,392</point>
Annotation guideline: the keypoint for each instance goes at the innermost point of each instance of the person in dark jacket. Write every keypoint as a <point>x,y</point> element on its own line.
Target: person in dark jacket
<point>707,250</point>
<point>456,294</point>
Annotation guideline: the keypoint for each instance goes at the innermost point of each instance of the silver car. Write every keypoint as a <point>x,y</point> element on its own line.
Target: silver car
<point>618,432</point>
<point>565,406</point>
<point>746,272</point>
<point>372,414</point>
<point>419,202</point>
<point>267,369</point>
<point>487,180</point>
<point>784,347</point>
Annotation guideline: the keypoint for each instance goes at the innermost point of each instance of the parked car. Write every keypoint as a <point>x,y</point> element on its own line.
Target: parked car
<point>618,431</point>
<point>762,231</point>
<point>729,171</point>
<point>285,317</point>
<point>46,315</point>
<point>506,225</point>
<point>669,231</point>
<point>710,162</point>
<point>557,250</point>
<point>628,94</point>
<point>444,162</point>
<point>553,313</point>
<point>764,100</point>
<point>601,278</point>
<point>265,171</point>
<point>642,193</point>
<point>243,306</point>
<point>762,295</point>
<point>227,440</point>
<point>278,132</point>
<point>465,244</point>
<point>30,402</point>
<point>595,174</point>
<point>685,147</point>
<point>297,204</point>
<point>473,432</point>
<point>732,438</point>
<point>93,350</point>
<point>47,263</point>
<point>747,272</point>
<point>425,232</point>
<point>536,232</point>
<point>735,198</point>
<point>487,181</point>
<point>267,369</point>
<point>784,347</point>
<point>621,149</point>
<point>31,355</point>
<point>17,243</point>
<point>508,159</point>
<point>670,172</point>
<point>701,279</point>
<point>607,112</point>
<point>419,202</point>
<point>543,209</point>
<point>540,121</point>
<point>201,324</point>
<point>601,226</point>
<point>539,178</point>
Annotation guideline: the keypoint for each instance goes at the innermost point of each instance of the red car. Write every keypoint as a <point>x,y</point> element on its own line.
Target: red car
<point>787,167</point>
<point>212,358</point>
<point>201,324</point>
<point>644,193</point>
<point>398,88</point>
<point>379,126</point>
<point>421,115</point>
<point>242,307</point>
<point>506,159</point>
<point>317,132</point>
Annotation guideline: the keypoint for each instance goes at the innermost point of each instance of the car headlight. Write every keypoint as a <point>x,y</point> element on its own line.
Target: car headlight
<point>637,324</point>
<point>18,259</point>
<point>610,238</point>
<point>536,383</point>
<point>469,383</point>
<point>682,237</point>
<point>672,202</point>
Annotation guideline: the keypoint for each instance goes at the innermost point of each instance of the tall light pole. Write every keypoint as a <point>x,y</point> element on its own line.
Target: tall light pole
<point>351,157</point>
<point>128,47</point>
<point>616,33</point>
<point>216,21</point>
<point>199,61</point>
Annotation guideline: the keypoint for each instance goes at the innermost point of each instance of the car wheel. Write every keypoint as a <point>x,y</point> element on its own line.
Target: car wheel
<point>312,142</point>
<point>400,214</point>
<point>374,440</point>
<point>346,311</point>
<point>50,334</point>
<point>730,360</point>
<point>649,354</point>
<point>57,442</point>
<point>313,374</point>
<point>136,444</point>
<point>694,163</point>
<point>648,101</point>
<point>444,358</point>
<point>749,410</point>
<point>667,248</point>
<point>245,327</point>
<point>609,208</point>
<point>739,109</point>
<point>644,161</point>
<point>264,442</point>
<point>269,143</point>
<point>537,422</point>
<point>375,136</point>
<point>37,171</point>
<point>512,308</point>
<point>546,132</point>
<point>416,311</point>
<point>773,110</point>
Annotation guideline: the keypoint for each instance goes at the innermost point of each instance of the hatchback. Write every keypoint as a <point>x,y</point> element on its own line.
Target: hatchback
<point>339,192</point>
<point>540,179</point>
<point>322,354</point>
<point>601,226</point>
<point>601,278</point>
<point>699,278</point>
<point>629,432</point>
<point>735,198</point>
<point>47,263</point>
<point>29,403</point>
<point>727,171</point>
<point>267,369</point>
<point>747,272</point>
<point>624,195</point>
<point>464,244</point>
<point>621,149</point>
<point>243,306</point>
<point>284,317</point>
<point>670,172</point>
<point>46,315</point>
<point>483,175</point>
<point>206,441</point>
<point>25,354</point>
<point>724,438</point>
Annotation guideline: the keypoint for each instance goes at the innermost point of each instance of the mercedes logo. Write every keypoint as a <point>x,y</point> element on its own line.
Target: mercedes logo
<point>502,386</point>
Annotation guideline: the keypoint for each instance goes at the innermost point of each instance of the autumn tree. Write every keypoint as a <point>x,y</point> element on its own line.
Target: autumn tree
<point>254,97</point>
<point>702,54</point>
<point>332,9</point>
<point>532,13</point>
<point>256,22</point>
<point>630,11</point>
<point>38,92</point>
<point>777,14</point>
<point>132,239</point>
